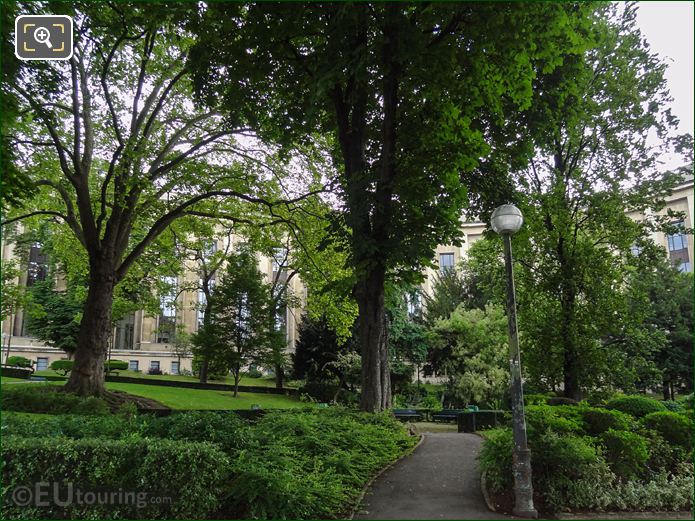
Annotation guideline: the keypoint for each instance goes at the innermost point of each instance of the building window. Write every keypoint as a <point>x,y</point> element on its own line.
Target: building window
<point>174,368</point>
<point>41,364</point>
<point>38,268</point>
<point>134,365</point>
<point>446,262</point>
<point>678,248</point>
<point>166,329</point>
<point>124,332</point>
<point>154,365</point>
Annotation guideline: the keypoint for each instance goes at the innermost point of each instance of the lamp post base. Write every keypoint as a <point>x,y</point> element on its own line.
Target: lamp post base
<point>523,489</point>
<point>528,514</point>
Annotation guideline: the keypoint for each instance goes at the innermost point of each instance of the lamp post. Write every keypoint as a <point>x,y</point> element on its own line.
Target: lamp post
<point>507,220</point>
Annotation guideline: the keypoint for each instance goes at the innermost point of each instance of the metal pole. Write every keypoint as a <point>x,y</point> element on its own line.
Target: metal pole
<point>521,458</point>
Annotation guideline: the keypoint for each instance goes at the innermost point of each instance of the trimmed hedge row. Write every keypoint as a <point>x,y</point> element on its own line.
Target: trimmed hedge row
<point>48,398</point>
<point>148,479</point>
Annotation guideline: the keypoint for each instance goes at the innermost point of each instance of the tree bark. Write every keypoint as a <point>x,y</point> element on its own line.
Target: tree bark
<point>279,376</point>
<point>376,380</point>
<point>87,376</point>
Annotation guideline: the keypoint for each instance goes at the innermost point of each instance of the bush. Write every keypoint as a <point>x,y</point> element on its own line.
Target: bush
<point>636,406</point>
<point>686,400</point>
<point>253,373</point>
<point>541,418</point>
<point>62,366</point>
<point>309,464</point>
<point>191,474</point>
<point>673,406</point>
<point>49,399</point>
<point>155,371</point>
<point>626,453</point>
<point>19,361</point>
<point>535,399</point>
<point>115,365</point>
<point>560,400</point>
<point>496,459</point>
<point>321,392</point>
<point>664,457</point>
<point>673,427</point>
<point>598,421</point>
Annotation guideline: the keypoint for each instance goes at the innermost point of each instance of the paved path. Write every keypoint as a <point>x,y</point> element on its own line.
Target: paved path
<point>440,480</point>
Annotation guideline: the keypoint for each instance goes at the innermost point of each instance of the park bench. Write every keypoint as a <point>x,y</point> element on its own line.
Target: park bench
<point>407,414</point>
<point>447,415</point>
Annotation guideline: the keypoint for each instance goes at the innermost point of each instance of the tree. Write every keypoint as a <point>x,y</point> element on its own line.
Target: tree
<point>13,296</point>
<point>238,331</point>
<point>119,153</point>
<point>182,345</point>
<point>54,316</point>
<point>478,363</point>
<point>588,126</point>
<point>412,96</point>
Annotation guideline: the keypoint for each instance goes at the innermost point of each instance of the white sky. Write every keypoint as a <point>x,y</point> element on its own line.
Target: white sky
<point>668,27</point>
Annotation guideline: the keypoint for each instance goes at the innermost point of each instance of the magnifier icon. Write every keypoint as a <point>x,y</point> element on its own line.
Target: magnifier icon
<point>43,35</point>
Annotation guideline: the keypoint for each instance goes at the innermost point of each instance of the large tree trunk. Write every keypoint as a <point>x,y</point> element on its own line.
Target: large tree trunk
<point>279,376</point>
<point>376,377</point>
<point>87,376</point>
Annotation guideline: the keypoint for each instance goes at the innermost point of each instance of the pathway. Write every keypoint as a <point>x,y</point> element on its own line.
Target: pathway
<point>440,480</point>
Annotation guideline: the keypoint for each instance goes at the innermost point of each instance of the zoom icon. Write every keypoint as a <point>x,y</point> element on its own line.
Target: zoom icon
<point>43,37</point>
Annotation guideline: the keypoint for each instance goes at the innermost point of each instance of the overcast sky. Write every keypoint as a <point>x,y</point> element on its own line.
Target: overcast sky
<point>668,27</point>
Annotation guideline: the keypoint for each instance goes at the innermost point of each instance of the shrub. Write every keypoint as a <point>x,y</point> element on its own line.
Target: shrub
<point>535,399</point>
<point>19,361</point>
<point>686,400</point>
<point>663,456</point>
<point>599,397</point>
<point>49,399</point>
<point>191,474</point>
<point>66,425</point>
<point>253,373</point>
<point>225,429</point>
<point>637,406</point>
<point>496,459</point>
<point>673,427</point>
<point>626,453</point>
<point>541,418</point>
<point>155,371</point>
<point>598,421</point>
<point>115,365</point>
<point>673,406</point>
<point>560,400</point>
<point>62,366</point>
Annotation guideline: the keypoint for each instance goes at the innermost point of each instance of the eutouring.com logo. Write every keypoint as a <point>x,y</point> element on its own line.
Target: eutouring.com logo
<point>55,494</point>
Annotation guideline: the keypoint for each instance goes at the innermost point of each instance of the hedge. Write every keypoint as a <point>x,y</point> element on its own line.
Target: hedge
<point>168,479</point>
<point>49,399</point>
<point>673,427</point>
<point>637,406</point>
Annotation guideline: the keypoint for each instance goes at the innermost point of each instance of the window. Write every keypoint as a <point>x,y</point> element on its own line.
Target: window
<point>678,248</point>
<point>37,269</point>
<point>279,259</point>
<point>167,314</point>
<point>134,365</point>
<point>174,368</point>
<point>154,365</point>
<point>41,364</point>
<point>446,262</point>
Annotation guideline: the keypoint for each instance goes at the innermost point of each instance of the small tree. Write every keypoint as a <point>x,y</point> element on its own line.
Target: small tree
<point>478,364</point>
<point>183,343</point>
<point>238,330</point>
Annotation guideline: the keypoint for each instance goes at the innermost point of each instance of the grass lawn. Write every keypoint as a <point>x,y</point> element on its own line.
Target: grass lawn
<point>266,381</point>
<point>182,398</point>
<point>179,398</point>
<point>7,379</point>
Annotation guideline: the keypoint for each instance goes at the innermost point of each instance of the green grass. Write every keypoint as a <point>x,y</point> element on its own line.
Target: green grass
<point>265,381</point>
<point>182,398</point>
<point>179,398</point>
<point>6,379</point>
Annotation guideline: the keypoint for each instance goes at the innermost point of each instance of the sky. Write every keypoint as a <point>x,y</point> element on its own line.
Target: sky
<point>668,27</point>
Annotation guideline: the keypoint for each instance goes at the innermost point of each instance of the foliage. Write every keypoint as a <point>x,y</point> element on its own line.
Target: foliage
<point>626,453</point>
<point>305,464</point>
<point>598,421</point>
<point>115,365</point>
<point>62,366</point>
<point>117,153</point>
<point>673,427</point>
<point>450,289</point>
<point>636,406</point>
<point>191,474</point>
<point>239,330</point>
<point>543,418</point>
<point>409,114</point>
<point>19,361</point>
<point>496,459</point>
<point>13,294</point>
<point>478,360</point>
<point>49,399</point>
<point>673,406</point>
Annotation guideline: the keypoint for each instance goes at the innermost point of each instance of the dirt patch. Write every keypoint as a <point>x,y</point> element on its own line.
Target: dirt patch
<point>116,399</point>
